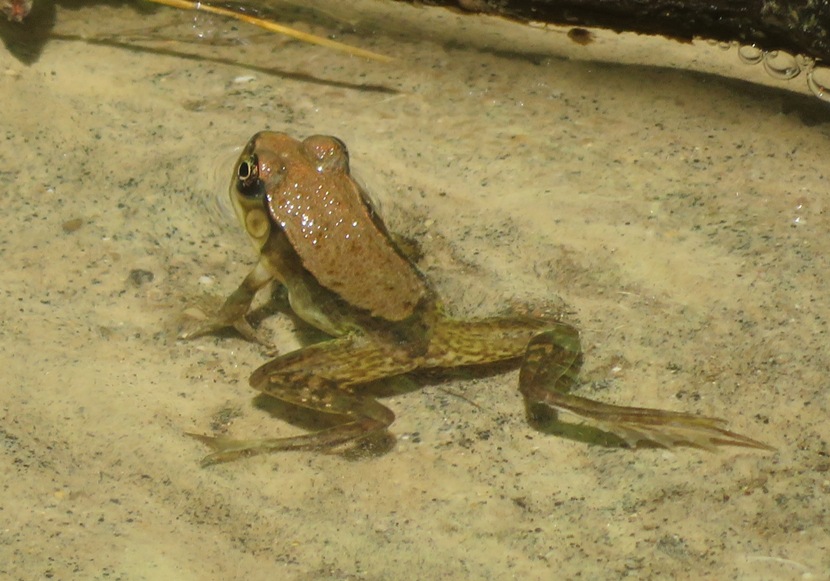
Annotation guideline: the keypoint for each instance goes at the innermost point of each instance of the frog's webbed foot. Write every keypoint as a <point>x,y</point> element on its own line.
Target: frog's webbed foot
<point>550,367</point>
<point>664,428</point>
<point>228,449</point>
<point>199,328</point>
<point>359,426</point>
<point>233,311</point>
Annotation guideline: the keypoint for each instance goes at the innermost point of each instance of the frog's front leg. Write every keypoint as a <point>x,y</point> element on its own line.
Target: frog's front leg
<point>551,363</point>
<point>237,305</point>
<point>321,377</point>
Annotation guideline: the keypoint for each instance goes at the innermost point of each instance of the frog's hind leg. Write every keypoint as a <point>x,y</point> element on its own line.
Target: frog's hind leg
<point>549,370</point>
<point>320,377</point>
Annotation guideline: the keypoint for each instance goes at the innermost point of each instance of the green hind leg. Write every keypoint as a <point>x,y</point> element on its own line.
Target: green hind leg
<point>549,370</point>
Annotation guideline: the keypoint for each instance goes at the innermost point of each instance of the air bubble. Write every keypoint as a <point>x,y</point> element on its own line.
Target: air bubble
<point>784,66</point>
<point>818,79</point>
<point>750,54</point>
<point>781,65</point>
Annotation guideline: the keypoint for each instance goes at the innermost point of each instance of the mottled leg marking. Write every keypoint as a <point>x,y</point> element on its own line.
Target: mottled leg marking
<point>320,377</point>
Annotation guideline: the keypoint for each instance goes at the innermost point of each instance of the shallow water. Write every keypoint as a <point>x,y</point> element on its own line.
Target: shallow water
<point>668,198</point>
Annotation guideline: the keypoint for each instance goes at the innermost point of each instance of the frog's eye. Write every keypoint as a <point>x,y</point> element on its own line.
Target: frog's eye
<point>247,177</point>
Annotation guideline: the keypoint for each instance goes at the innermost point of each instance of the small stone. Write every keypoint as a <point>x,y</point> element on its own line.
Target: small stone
<point>140,277</point>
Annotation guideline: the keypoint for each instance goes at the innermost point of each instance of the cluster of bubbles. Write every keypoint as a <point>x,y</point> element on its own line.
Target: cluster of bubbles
<point>784,66</point>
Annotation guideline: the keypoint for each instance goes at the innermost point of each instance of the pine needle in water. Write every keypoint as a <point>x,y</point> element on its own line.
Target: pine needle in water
<point>278,28</point>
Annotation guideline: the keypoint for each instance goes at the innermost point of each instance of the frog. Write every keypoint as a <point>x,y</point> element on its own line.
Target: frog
<point>318,234</point>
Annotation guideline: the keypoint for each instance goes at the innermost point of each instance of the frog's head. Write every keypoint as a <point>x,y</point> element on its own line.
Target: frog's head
<point>273,177</point>
<point>301,193</point>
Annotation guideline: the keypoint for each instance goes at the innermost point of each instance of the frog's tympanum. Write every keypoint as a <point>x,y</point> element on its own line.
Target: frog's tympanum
<point>317,234</point>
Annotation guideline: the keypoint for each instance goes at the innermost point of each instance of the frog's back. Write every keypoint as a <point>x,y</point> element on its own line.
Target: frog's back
<point>340,241</point>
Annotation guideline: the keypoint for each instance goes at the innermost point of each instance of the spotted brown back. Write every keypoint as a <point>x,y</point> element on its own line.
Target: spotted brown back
<point>323,212</point>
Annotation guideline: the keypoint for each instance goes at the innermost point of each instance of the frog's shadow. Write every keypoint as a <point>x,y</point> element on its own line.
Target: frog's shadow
<point>540,417</point>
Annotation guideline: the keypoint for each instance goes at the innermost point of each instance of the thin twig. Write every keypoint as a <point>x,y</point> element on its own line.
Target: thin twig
<point>278,28</point>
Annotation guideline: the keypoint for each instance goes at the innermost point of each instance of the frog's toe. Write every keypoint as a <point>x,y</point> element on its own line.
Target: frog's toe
<point>670,429</point>
<point>195,331</point>
<point>194,324</point>
<point>195,328</point>
<point>224,449</point>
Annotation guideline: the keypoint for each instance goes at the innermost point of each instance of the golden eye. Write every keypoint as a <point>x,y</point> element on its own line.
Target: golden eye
<point>247,177</point>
